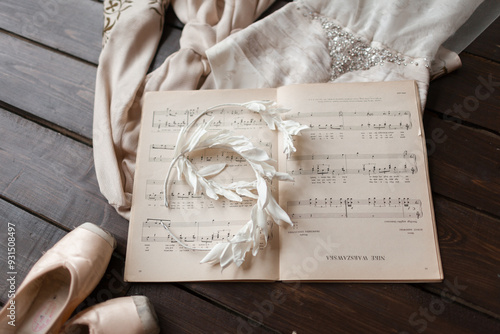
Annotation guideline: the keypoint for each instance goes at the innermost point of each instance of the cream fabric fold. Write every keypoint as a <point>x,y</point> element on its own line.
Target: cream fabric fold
<point>132,30</point>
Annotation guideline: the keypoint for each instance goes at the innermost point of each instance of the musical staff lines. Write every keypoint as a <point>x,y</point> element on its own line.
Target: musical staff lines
<point>357,120</point>
<point>372,207</point>
<point>200,232</point>
<point>358,163</point>
<point>182,193</point>
<point>163,153</point>
<point>235,118</point>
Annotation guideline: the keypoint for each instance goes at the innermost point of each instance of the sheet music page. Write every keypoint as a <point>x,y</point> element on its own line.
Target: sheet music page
<point>152,254</point>
<point>361,200</point>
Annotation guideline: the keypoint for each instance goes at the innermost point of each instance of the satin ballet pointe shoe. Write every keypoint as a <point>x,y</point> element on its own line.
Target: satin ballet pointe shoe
<point>58,282</point>
<point>125,315</point>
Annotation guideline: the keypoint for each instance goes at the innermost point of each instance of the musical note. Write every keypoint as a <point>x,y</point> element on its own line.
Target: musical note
<point>372,207</point>
<point>366,164</point>
<point>375,120</point>
<point>236,118</point>
<point>200,232</point>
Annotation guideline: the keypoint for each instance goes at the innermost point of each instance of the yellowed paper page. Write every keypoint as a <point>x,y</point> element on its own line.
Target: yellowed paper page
<point>152,254</point>
<point>361,200</point>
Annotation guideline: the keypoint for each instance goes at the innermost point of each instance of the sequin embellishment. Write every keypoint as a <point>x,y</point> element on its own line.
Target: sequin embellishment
<point>350,53</point>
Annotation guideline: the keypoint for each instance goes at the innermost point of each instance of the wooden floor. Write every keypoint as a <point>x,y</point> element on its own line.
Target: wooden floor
<point>48,56</point>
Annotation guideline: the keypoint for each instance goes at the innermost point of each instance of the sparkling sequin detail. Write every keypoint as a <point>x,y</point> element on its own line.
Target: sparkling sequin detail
<point>350,53</point>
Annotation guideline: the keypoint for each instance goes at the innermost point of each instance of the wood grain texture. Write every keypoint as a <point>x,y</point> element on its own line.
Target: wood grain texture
<point>57,160</point>
<point>48,85</point>
<point>71,26</point>
<point>74,27</point>
<point>53,176</point>
<point>347,308</point>
<point>34,237</point>
<point>487,45</point>
<point>470,94</point>
<point>464,163</point>
<point>469,246</point>
<point>181,312</point>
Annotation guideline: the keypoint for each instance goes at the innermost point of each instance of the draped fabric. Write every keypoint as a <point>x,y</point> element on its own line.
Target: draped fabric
<point>305,41</point>
<point>132,31</point>
<point>343,41</point>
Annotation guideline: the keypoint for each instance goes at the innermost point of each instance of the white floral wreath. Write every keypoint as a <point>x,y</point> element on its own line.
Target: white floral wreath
<point>248,237</point>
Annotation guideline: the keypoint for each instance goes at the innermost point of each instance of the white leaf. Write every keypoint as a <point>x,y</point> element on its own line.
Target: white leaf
<point>293,127</point>
<point>268,118</point>
<point>243,234</point>
<point>180,138</point>
<point>227,256</point>
<point>246,192</point>
<point>255,154</point>
<point>209,191</point>
<point>180,167</point>
<point>229,194</point>
<point>277,213</point>
<point>211,170</point>
<point>242,184</point>
<point>262,191</point>
<point>191,177</point>
<point>195,138</point>
<point>239,252</point>
<point>283,176</point>
<point>214,254</point>
<point>259,217</point>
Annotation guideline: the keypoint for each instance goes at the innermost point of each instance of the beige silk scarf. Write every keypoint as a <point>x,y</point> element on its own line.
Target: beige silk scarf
<point>132,31</point>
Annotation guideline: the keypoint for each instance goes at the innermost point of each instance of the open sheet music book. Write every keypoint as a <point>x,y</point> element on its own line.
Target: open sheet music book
<point>360,201</point>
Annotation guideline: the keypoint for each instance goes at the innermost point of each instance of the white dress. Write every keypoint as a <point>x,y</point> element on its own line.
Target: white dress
<point>340,41</point>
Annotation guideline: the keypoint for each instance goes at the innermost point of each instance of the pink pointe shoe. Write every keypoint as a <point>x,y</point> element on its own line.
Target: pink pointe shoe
<point>125,315</point>
<point>59,281</point>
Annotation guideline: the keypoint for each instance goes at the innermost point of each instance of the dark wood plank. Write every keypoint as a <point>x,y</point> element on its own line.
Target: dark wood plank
<point>53,176</point>
<point>464,163</point>
<point>181,312</point>
<point>55,88</point>
<point>469,246</point>
<point>178,310</point>
<point>347,308</point>
<point>48,85</point>
<point>72,26</point>
<point>487,44</point>
<point>470,94</point>
<point>34,237</point>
